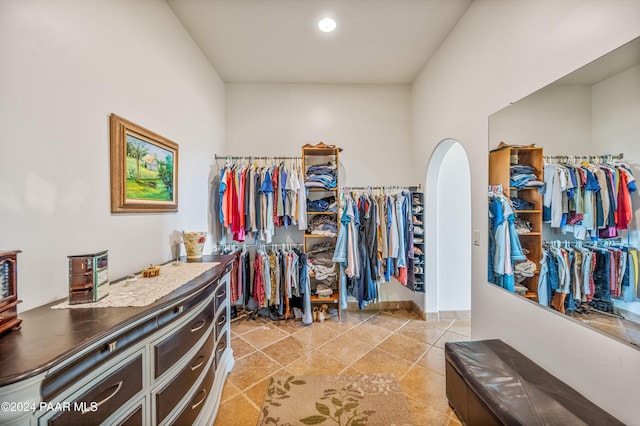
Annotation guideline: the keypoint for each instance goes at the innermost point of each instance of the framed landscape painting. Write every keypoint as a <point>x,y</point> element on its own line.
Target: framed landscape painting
<point>144,169</point>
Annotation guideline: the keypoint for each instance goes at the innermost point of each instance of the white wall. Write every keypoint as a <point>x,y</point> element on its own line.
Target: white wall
<point>556,118</point>
<point>454,219</point>
<point>370,123</point>
<point>65,65</point>
<point>499,52</point>
<point>616,127</point>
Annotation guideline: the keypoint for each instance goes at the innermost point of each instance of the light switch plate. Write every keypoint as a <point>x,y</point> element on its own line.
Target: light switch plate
<point>476,237</point>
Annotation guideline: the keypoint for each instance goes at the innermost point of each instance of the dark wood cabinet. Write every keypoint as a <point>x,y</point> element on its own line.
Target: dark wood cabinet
<point>9,291</point>
<point>157,365</point>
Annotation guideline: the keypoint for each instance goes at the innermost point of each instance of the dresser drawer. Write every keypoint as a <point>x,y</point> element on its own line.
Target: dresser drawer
<point>186,306</point>
<point>177,344</point>
<point>110,394</point>
<point>220,348</point>
<point>85,365</point>
<point>221,322</point>
<point>134,419</point>
<point>193,407</point>
<point>167,399</point>
<point>221,295</point>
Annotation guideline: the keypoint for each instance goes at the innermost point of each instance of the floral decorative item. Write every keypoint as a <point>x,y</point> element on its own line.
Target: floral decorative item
<point>193,244</point>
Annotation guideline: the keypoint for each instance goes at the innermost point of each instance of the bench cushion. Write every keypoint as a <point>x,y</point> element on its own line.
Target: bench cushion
<point>489,382</point>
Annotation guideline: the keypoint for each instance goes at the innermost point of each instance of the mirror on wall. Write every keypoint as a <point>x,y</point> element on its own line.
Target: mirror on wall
<point>564,226</point>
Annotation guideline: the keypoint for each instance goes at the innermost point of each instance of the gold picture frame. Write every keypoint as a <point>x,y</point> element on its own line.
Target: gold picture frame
<point>144,169</point>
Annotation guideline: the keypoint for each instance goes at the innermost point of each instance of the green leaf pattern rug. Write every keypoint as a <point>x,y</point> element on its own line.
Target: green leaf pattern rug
<point>349,400</point>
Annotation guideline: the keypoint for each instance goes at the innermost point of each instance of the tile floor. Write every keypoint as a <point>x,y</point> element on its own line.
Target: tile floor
<point>395,341</point>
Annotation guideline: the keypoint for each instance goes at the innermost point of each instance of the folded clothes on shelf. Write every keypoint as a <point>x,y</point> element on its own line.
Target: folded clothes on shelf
<point>320,261</point>
<point>323,225</point>
<point>522,226</point>
<point>327,204</point>
<point>321,176</point>
<point>520,204</point>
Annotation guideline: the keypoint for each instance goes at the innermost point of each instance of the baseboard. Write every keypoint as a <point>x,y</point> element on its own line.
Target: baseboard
<point>412,306</point>
<point>381,306</point>
<point>418,311</point>
<point>461,315</point>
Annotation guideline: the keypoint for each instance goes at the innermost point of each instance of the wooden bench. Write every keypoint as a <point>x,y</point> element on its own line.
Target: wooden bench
<point>490,383</point>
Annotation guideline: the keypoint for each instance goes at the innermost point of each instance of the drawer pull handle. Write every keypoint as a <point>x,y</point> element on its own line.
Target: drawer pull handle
<point>222,320</point>
<point>199,325</point>
<point>94,407</point>
<point>113,345</point>
<point>221,295</point>
<point>198,365</point>
<point>179,309</point>
<point>194,406</point>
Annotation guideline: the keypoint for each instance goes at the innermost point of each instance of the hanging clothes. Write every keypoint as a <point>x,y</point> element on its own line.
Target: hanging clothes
<point>590,200</point>
<point>280,282</point>
<point>504,245</point>
<point>573,274</point>
<point>375,241</point>
<point>251,201</point>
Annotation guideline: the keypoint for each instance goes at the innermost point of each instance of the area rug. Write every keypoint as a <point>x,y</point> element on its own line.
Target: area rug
<point>350,400</point>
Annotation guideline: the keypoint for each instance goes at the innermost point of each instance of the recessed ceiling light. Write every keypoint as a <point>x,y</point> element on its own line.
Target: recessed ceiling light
<point>327,25</point>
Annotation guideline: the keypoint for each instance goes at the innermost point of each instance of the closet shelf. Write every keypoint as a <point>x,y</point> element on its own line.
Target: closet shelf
<point>500,162</point>
<point>311,156</point>
<point>321,151</point>
<point>331,299</point>
<point>524,188</point>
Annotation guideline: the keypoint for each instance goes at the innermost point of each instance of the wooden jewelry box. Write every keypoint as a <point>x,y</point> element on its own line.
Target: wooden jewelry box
<point>9,291</point>
<point>87,274</point>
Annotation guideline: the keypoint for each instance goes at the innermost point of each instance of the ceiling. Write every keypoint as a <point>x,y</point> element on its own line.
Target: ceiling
<point>278,41</point>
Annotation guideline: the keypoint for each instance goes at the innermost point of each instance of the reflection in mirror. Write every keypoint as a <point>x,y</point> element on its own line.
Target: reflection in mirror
<point>563,206</point>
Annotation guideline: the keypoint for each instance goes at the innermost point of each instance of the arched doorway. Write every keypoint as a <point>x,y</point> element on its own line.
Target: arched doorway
<point>448,231</point>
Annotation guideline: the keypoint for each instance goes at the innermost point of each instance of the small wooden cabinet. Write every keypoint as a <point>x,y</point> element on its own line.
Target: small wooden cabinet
<point>88,273</point>
<point>500,162</point>
<point>9,291</point>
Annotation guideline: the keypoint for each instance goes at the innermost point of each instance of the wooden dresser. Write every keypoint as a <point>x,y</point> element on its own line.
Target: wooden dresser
<point>161,364</point>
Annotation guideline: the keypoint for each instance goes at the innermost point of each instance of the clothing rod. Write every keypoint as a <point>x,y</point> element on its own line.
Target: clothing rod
<point>269,245</point>
<point>253,157</point>
<point>564,157</point>
<point>377,187</point>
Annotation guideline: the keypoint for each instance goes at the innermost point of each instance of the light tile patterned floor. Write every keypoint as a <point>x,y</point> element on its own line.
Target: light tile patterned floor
<point>363,342</point>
